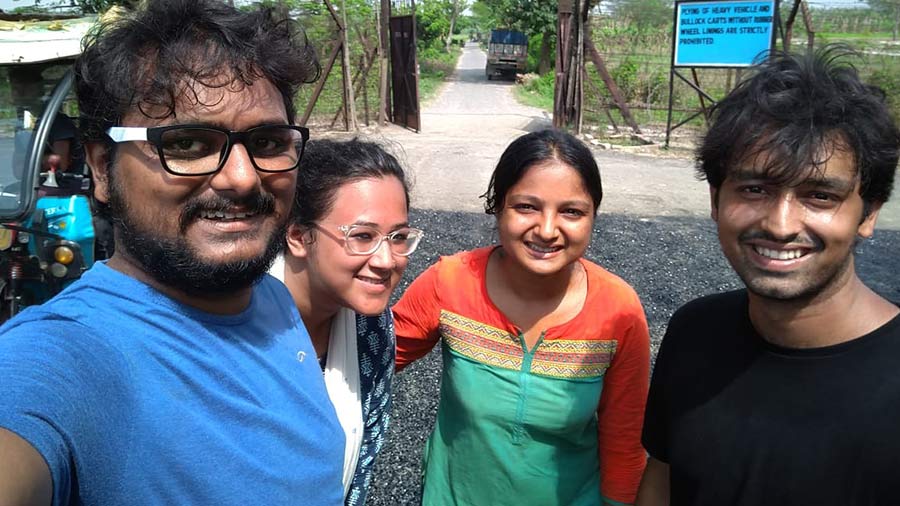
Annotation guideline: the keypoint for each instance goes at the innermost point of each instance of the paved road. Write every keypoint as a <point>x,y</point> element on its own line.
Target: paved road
<point>465,128</point>
<point>653,231</point>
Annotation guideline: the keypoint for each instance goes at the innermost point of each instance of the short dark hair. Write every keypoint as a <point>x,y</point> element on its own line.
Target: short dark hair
<point>796,110</point>
<point>159,53</point>
<point>329,164</point>
<point>537,147</point>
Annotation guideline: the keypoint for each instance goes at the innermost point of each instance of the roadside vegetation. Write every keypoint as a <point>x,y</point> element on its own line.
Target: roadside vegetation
<point>440,28</point>
<point>634,37</point>
<point>435,65</point>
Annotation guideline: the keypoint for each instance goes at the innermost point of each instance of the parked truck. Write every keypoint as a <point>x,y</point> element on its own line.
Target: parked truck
<point>507,53</point>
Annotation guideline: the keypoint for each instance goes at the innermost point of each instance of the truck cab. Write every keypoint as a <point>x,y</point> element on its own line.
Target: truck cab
<point>507,53</point>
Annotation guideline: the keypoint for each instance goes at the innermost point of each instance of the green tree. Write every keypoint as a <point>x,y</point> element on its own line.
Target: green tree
<point>433,22</point>
<point>890,8</point>
<point>540,16</point>
<point>483,17</point>
<point>456,7</point>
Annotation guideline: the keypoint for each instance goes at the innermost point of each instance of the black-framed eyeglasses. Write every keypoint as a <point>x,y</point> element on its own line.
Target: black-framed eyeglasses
<point>365,240</point>
<point>200,150</point>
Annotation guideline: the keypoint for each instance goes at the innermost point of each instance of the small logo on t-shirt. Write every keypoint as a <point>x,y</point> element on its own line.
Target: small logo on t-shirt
<point>301,355</point>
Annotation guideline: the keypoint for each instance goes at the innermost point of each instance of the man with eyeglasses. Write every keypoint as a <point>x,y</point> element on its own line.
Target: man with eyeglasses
<point>176,372</point>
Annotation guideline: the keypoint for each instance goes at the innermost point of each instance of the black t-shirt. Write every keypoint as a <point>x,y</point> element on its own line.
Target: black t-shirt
<point>741,421</point>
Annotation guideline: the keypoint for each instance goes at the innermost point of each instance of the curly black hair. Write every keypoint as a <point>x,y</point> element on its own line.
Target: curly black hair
<point>794,112</point>
<point>166,50</point>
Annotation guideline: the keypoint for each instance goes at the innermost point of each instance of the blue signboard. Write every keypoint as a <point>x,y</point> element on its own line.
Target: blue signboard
<point>723,33</point>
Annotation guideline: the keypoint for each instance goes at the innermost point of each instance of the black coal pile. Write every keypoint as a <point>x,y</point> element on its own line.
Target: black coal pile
<point>668,261</point>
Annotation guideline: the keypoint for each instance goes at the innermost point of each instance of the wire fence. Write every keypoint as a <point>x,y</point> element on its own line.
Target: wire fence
<point>362,35</point>
<point>639,61</point>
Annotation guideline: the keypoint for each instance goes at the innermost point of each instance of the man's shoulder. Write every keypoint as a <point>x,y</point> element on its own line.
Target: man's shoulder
<point>270,286</point>
<point>78,304</point>
<point>271,294</point>
<point>50,342</point>
<point>704,324</point>
<point>713,308</point>
<point>101,291</point>
<point>40,322</point>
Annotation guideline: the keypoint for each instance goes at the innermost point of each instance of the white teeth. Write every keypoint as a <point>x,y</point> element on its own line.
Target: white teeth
<point>376,281</point>
<point>541,249</point>
<point>779,254</point>
<point>219,215</point>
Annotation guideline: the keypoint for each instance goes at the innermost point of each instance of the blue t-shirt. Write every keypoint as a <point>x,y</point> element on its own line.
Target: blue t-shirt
<point>133,398</point>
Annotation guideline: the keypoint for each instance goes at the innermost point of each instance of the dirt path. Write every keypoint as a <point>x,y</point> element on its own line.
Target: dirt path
<point>470,122</point>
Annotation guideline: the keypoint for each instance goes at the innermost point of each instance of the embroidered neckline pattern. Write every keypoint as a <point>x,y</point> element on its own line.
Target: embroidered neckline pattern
<point>554,358</point>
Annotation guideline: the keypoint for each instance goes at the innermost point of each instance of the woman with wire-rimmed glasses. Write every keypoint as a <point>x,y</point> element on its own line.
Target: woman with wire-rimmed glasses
<point>347,247</point>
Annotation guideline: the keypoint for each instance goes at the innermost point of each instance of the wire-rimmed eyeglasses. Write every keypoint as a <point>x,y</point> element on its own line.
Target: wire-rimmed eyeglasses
<point>365,240</point>
<point>200,150</point>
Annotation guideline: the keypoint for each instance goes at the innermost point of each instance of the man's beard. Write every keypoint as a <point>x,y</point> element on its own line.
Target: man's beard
<point>804,290</point>
<point>172,261</point>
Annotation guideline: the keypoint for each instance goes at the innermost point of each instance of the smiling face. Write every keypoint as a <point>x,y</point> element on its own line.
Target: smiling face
<point>336,278</point>
<point>792,241</point>
<point>546,220</point>
<point>202,235</point>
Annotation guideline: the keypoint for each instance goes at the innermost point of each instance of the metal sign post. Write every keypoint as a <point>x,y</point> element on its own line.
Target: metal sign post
<point>718,34</point>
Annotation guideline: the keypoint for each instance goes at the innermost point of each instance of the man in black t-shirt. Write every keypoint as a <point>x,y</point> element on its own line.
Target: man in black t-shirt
<point>786,393</point>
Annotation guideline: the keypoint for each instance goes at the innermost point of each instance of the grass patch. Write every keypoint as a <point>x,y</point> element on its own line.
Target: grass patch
<point>537,91</point>
<point>429,83</point>
<point>435,66</point>
<point>534,99</point>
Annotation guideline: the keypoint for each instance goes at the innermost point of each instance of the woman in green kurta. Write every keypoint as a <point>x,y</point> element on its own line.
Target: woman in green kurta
<point>546,354</point>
